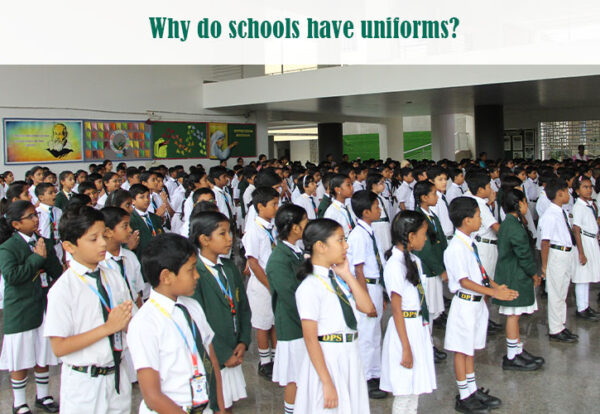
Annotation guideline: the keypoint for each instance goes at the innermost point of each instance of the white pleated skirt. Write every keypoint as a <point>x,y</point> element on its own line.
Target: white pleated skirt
<point>420,379</point>
<point>590,272</point>
<point>518,310</point>
<point>289,357</point>
<point>24,350</point>
<point>234,385</point>
<point>434,294</point>
<point>383,234</point>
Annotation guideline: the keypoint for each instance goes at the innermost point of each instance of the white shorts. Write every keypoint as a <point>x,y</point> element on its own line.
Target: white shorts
<point>259,300</point>
<point>466,328</point>
<point>25,350</point>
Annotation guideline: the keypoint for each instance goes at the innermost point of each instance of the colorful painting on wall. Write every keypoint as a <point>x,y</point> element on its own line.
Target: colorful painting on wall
<point>117,140</point>
<point>179,140</point>
<point>31,141</point>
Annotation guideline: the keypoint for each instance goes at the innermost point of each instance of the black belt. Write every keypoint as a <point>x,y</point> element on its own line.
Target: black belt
<point>372,281</point>
<point>338,338</point>
<point>468,297</point>
<point>585,233</point>
<point>410,313</point>
<point>94,370</point>
<point>561,248</point>
<point>488,241</point>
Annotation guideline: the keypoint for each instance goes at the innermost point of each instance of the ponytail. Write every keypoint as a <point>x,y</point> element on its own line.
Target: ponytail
<point>14,212</point>
<point>405,223</point>
<point>316,230</point>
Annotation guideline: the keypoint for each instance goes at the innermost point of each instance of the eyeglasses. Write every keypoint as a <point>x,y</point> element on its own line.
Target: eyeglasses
<point>30,217</point>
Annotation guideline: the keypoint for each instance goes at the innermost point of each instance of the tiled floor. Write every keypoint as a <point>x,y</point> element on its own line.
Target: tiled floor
<point>567,384</point>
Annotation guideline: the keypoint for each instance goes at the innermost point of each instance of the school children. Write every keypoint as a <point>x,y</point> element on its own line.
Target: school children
<point>281,269</point>
<point>37,177</point>
<point>517,270</point>
<point>360,183</point>
<point>220,292</point>
<point>49,217</point>
<point>110,183</point>
<point>439,178</point>
<point>132,176</point>
<point>66,181</point>
<point>265,178</point>
<point>89,309</point>
<point>89,189</point>
<point>366,263</point>
<point>217,176</point>
<point>381,227</point>
<point>585,229</point>
<point>171,340</point>
<point>148,224</point>
<point>306,200</point>
<point>341,191</point>
<point>259,241</point>
<point>331,380</point>
<point>326,200</point>
<point>28,267</point>
<point>455,190</point>
<point>403,194</point>
<point>407,363</point>
<point>466,328</point>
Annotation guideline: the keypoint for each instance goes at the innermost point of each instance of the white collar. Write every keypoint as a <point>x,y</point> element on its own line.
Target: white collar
<point>292,246</point>
<point>217,189</point>
<point>264,222</point>
<point>79,268</point>
<point>166,303</point>
<point>365,226</point>
<point>465,237</point>
<point>109,255</point>
<point>45,207</point>
<point>429,213</point>
<point>321,271</point>
<point>338,203</point>
<point>140,213</point>
<point>555,207</point>
<point>26,237</point>
<point>208,262</point>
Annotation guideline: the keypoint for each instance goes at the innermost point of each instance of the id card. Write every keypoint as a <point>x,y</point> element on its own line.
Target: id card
<point>44,279</point>
<point>199,388</point>
<point>118,341</point>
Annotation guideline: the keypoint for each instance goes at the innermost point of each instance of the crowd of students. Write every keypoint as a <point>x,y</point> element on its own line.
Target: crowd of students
<point>139,275</point>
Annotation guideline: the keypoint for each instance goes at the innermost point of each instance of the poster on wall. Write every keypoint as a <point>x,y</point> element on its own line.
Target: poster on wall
<point>245,137</point>
<point>179,140</point>
<point>219,144</point>
<point>517,142</point>
<point>117,140</point>
<point>31,141</point>
<point>507,145</point>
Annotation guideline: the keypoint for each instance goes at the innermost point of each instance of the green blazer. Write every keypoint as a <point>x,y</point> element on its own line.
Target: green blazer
<point>218,313</point>
<point>138,223</point>
<point>61,200</point>
<point>323,206</point>
<point>24,297</point>
<point>281,274</point>
<point>516,264</point>
<point>432,254</point>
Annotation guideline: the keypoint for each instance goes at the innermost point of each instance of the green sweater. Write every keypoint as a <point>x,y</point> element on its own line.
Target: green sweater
<point>61,200</point>
<point>24,297</point>
<point>281,274</point>
<point>138,223</point>
<point>432,254</point>
<point>323,206</point>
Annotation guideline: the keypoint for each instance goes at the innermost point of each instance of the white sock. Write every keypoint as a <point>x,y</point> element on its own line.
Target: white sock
<point>18,388</point>
<point>582,296</point>
<point>264,355</point>
<point>471,383</point>
<point>512,348</point>
<point>463,389</point>
<point>42,380</point>
<point>519,348</point>
<point>288,408</point>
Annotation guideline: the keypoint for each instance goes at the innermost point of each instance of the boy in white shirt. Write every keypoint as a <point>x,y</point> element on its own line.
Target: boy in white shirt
<point>170,339</point>
<point>133,177</point>
<point>439,179</point>
<point>361,176</point>
<point>455,189</point>
<point>404,193</point>
<point>217,176</point>
<point>49,216</point>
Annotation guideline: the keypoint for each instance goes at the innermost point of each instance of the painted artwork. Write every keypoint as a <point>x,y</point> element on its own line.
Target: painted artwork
<point>117,140</point>
<point>219,148</point>
<point>32,141</point>
<point>179,140</point>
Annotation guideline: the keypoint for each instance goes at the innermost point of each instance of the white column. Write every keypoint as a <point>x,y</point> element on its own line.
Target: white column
<point>443,128</point>
<point>262,134</point>
<point>395,138</point>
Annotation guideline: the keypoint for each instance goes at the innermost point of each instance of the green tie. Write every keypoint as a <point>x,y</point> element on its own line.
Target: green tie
<point>121,262</point>
<point>346,308</point>
<point>424,309</point>
<point>116,354</point>
<point>349,216</point>
<point>208,368</point>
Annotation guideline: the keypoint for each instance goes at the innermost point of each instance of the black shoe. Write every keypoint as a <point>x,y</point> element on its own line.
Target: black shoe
<point>439,356</point>
<point>587,314</point>
<point>447,302</point>
<point>47,404</point>
<point>266,370</point>
<point>528,357</point>
<point>374,392</point>
<point>571,334</point>
<point>21,409</point>
<point>593,311</point>
<point>562,336</point>
<point>490,401</point>
<point>440,321</point>
<point>470,405</point>
<point>518,363</point>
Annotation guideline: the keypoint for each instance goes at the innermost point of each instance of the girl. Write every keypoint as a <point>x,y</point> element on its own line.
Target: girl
<point>341,190</point>
<point>516,268</point>
<point>281,273</point>
<point>122,199</point>
<point>193,182</point>
<point>307,187</point>
<point>28,267</point>
<point>221,293</point>
<point>37,177</point>
<point>381,227</point>
<point>66,181</point>
<point>110,183</point>
<point>432,255</point>
<point>407,368</point>
<point>19,190</point>
<point>585,227</point>
<point>80,177</point>
<point>331,380</point>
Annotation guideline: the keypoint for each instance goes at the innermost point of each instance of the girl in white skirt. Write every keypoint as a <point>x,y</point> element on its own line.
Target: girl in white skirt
<point>585,227</point>
<point>407,356</point>
<point>381,227</point>
<point>331,380</point>
<point>28,266</point>
<point>281,272</point>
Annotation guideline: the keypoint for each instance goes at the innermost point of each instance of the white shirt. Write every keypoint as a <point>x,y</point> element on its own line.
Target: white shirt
<point>441,210</point>
<point>257,242</point>
<point>247,197</point>
<point>358,186</point>
<point>532,191</point>
<point>340,213</point>
<point>487,220</point>
<point>126,186</point>
<point>387,191</point>
<point>305,202</point>
<point>404,194</point>
<point>133,270</point>
<point>543,203</point>
<point>461,263</point>
<point>320,192</point>
<point>101,201</point>
<point>171,184</point>
<point>34,198</point>
<point>494,186</point>
<point>584,217</point>
<point>316,301</point>
<point>453,192</point>
<point>395,280</point>
<point>386,208</point>
<point>552,227</point>
<point>73,308</point>
<point>295,194</point>
<point>222,202</point>
<point>45,226</point>
<point>360,250</point>
<point>155,342</point>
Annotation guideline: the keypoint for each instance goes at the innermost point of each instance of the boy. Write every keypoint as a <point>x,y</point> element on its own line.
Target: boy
<point>466,327</point>
<point>404,193</point>
<point>200,195</point>
<point>264,178</point>
<point>246,202</point>
<point>133,177</point>
<point>217,176</point>
<point>151,181</point>
<point>455,190</point>
<point>66,180</point>
<point>439,179</point>
<point>148,224</point>
<point>49,216</point>
<point>361,176</point>
<point>558,259</point>
<point>366,263</point>
<point>169,328</point>
<point>531,189</point>
<point>89,189</point>
<point>87,317</point>
<point>326,200</point>
<point>258,242</point>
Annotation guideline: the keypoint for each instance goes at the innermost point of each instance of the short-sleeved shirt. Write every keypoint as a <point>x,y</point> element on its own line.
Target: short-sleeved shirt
<point>553,227</point>
<point>542,204</point>
<point>460,262</point>
<point>45,227</point>
<point>305,202</point>
<point>320,192</point>
<point>222,201</point>
<point>404,194</point>
<point>395,279</point>
<point>155,342</point>
<point>584,216</point>
<point>247,197</point>
<point>73,308</point>
<point>487,219</point>
<point>317,301</point>
<point>133,270</point>
<point>453,192</point>
<point>360,250</point>
<point>441,210</point>
<point>257,242</point>
<point>358,186</point>
<point>532,191</point>
<point>339,212</point>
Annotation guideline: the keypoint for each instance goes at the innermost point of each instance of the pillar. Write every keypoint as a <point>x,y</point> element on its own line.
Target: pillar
<point>443,129</point>
<point>331,141</point>
<point>489,131</point>
<point>395,138</point>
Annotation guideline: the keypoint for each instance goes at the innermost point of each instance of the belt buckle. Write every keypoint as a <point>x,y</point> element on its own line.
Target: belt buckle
<point>465,296</point>
<point>94,371</point>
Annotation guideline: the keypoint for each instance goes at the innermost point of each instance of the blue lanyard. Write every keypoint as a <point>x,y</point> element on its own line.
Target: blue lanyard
<point>227,291</point>
<point>431,219</point>
<point>106,286</point>
<point>124,274</point>
<point>267,231</point>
